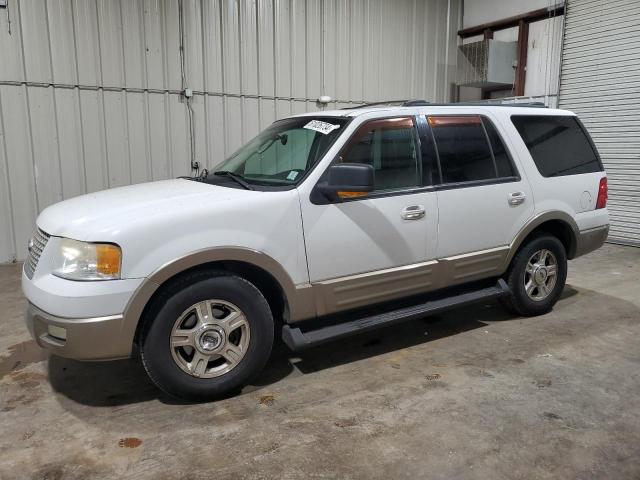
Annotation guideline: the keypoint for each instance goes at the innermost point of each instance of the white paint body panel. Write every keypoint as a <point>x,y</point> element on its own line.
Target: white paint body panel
<point>156,223</point>
<point>479,218</point>
<point>368,235</point>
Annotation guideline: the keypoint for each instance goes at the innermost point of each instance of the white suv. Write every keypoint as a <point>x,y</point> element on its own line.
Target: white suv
<point>324,225</point>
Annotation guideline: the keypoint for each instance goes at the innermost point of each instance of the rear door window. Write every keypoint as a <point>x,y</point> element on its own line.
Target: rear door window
<point>469,149</point>
<point>558,144</point>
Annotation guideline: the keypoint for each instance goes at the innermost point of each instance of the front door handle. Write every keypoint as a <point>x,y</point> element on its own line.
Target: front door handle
<point>517,198</point>
<point>413,212</point>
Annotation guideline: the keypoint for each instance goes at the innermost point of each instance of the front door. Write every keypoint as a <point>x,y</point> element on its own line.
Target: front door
<point>373,249</point>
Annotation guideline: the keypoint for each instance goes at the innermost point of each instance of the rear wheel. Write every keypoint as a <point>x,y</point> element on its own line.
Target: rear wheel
<point>207,335</point>
<point>537,276</point>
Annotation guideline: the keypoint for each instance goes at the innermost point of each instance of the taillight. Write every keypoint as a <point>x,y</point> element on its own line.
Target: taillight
<point>602,193</point>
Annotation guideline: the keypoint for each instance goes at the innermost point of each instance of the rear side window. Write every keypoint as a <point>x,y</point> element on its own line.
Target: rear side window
<point>469,149</point>
<point>559,145</point>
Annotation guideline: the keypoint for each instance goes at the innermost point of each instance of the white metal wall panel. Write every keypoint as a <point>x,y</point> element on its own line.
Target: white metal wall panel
<point>11,60</point>
<point>20,165</point>
<point>84,23</point>
<point>7,239</point>
<point>34,26</point>
<point>543,57</point>
<point>63,57</point>
<point>46,160</point>
<point>90,90</point>
<point>93,140</point>
<point>599,82</point>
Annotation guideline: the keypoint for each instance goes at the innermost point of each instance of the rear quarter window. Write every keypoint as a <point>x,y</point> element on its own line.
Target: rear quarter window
<point>559,145</point>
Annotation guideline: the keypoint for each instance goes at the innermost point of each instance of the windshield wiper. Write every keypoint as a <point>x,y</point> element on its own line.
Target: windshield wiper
<point>234,176</point>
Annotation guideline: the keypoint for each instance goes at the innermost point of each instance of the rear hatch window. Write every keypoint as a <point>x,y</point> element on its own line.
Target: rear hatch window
<point>558,144</point>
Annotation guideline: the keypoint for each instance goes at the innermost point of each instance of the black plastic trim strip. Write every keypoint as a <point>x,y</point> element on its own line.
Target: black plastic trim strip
<point>476,183</point>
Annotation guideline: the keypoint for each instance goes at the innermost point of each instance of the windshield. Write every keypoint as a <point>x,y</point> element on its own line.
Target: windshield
<point>283,153</point>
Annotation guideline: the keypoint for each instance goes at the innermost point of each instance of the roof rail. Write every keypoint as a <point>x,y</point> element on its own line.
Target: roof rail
<point>377,104</point>
<point>415,103</point>
<point>484,103</point>
<point>424,103</point>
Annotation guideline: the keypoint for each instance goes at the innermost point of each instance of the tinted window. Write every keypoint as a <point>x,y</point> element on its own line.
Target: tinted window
<point>389,146</point>
<point>503,162</point>
<point>463,150</point>
<point>558,145</point>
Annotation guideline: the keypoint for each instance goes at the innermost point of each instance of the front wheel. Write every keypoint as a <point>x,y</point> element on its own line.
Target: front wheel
<point>537,276</point>
<point>206,335</point>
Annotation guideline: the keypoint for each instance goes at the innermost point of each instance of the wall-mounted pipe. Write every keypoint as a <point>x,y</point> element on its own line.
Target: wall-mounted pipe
<point>187,93</point>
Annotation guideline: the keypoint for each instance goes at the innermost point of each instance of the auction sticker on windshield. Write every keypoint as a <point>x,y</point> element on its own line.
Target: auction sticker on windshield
<point>322,127</point>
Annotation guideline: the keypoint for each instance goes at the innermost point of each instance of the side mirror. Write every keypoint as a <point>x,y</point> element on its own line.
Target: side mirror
<point>347,180</point>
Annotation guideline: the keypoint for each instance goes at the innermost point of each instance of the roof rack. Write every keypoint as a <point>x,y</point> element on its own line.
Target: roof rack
<point>399,103</point>
<point>496,104</point>
<point>415,103</point>
<point>424,103</point>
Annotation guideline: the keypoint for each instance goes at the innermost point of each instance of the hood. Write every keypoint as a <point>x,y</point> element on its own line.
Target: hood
<point>100,216</point>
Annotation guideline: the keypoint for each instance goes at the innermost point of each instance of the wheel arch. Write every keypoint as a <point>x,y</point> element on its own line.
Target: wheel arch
<point>286,300</point>
<point>556,223</point>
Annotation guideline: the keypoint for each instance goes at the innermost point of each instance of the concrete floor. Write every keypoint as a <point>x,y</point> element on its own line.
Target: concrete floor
<point>474,393</point>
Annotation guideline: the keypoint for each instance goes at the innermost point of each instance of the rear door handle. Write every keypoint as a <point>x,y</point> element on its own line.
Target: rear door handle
<point>517,198</point>
<point>413,212</point>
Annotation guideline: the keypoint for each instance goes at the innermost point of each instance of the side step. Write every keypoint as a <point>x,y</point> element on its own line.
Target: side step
<point>297,339</point>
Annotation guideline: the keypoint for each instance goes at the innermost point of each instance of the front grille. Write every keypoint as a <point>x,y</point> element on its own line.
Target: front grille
<point>36,246</point>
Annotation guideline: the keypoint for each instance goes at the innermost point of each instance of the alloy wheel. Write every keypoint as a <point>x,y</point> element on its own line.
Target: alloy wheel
<point>540,275</point>
<point>210,338</point>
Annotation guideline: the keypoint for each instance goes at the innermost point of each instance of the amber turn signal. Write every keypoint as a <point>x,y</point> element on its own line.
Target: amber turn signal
<point>108,259</point>
<point>352,194</point>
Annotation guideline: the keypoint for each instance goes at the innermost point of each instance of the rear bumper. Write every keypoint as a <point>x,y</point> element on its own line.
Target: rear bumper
<point>97,338</point>
<point>590,240</point>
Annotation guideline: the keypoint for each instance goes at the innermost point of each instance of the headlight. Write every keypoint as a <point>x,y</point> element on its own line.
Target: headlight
<point>87,261</point>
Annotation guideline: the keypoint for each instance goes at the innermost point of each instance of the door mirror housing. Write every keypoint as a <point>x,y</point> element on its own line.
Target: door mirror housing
<point>347,180</point>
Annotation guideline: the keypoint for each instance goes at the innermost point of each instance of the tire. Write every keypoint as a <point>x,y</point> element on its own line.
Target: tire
<point>187,344</point>
<point>543,296</point>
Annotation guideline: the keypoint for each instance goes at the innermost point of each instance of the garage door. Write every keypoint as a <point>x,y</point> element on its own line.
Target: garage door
<point>600,81</point>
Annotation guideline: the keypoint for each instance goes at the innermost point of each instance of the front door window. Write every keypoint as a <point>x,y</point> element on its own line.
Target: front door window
<point>389,145</point>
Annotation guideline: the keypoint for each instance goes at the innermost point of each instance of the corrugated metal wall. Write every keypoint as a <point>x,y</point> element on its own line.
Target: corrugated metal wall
<point>600,81</point>
<point>90,90</point>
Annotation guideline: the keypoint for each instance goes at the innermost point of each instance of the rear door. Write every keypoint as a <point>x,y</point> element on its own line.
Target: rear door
<point>483,201</point>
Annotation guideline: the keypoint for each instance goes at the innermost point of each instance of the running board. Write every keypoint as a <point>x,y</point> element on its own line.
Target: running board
<point>297,339</point>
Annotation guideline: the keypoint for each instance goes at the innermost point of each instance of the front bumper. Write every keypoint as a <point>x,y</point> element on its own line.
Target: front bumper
<point>96,338</point>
